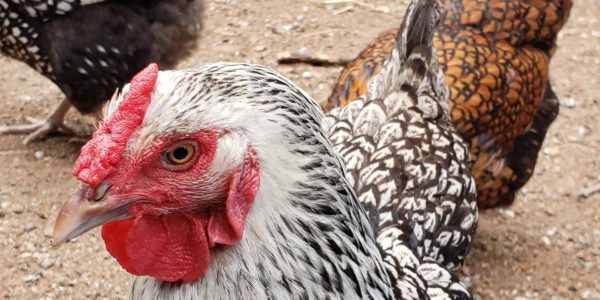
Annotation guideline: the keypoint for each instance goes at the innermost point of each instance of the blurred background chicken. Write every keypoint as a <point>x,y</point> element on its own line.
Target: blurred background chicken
<point>237,192</point>
<point>89,48</point>
<point>495,55</point>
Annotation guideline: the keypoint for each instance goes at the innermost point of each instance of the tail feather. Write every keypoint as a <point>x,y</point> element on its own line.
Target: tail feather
<point>418,28</point>
<point>411,77</point>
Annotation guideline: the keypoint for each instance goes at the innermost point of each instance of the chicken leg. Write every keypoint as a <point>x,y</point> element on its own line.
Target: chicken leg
<point>38,129</point>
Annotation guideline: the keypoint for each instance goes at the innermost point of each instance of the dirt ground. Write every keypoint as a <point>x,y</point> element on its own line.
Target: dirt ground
<point>545,246</point>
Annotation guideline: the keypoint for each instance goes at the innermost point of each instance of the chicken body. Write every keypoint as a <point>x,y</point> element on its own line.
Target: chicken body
<point>89,48</point>
<point>409,167</point>
<point>495,55</point>
<point>176,191</point>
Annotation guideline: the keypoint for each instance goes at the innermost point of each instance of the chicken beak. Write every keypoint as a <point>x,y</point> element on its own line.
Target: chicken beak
<point>86,209</point>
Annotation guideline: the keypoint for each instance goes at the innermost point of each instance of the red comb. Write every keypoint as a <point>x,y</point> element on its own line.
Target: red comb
<point>102,153</point>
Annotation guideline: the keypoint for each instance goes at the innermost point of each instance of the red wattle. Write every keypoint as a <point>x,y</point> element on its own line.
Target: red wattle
<point>114,235</point>
<point>227,226</point>
<point>168,247</point>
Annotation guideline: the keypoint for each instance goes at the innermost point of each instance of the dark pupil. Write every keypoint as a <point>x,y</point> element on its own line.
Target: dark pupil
<point>180,153</point>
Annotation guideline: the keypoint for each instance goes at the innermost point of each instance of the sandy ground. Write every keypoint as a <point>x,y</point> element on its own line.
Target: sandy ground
<point>545,246</point>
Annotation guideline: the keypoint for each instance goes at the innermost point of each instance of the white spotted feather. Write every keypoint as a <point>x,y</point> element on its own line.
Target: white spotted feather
<point>412,178</point>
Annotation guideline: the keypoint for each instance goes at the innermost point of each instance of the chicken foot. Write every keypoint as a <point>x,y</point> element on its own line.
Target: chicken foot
<point>39,129</point>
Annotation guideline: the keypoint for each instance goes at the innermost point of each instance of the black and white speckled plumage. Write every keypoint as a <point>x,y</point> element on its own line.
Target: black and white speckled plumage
<point>91,47</point>
<point>306,236</point>
<point>408,165</point>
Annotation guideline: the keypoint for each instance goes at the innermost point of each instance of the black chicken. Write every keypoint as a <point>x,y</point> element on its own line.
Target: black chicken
<point>89,48</point>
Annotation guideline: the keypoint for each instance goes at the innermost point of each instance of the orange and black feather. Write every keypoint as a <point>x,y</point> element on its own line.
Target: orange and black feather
<point>495,55</point>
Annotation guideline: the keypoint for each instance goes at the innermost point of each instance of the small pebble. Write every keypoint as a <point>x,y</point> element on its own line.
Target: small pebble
<point>286,28</point>
<point>548,211</point>
<point>546,240</point>
<point>260,48</point>
<point>551,231</point>
<point>551,151</point>
<point>18,208</point>
<point>29,226</point>
<point>507,213</point>
<point>307,74</point>
<point>46,264</point>
<point>568,102</point>
<point>39,155</point>
<point>31,278</point>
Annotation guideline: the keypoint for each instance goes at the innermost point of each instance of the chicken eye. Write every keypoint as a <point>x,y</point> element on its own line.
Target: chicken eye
<point>180,154</point>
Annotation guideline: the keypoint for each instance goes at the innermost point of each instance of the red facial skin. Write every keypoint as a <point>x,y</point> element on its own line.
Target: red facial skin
<point>179,212</point>
<point>184,211</point>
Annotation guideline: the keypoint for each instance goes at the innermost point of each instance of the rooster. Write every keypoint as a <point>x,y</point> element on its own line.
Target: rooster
<point>200,203</point>
<point>89,48</point>
<point>495,55</point>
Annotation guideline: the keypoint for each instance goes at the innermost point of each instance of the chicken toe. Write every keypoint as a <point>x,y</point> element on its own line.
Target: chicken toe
<point>39,129</point>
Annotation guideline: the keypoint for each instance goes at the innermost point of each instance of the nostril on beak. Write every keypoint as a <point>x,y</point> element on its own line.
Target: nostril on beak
<point>101,191</point>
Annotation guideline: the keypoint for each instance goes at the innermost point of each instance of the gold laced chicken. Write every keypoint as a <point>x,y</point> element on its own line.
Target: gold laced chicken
<point>495,56</point>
